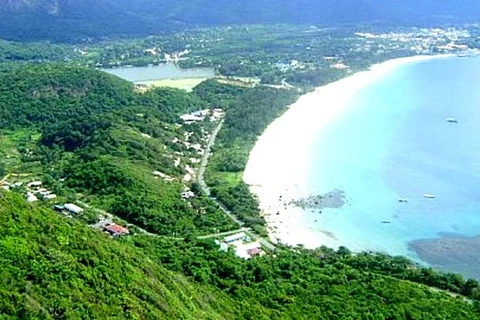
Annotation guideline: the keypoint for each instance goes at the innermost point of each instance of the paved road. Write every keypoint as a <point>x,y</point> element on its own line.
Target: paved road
<point>206,155</point>
<point>201,174</point>
<point>228,213</point>
<point>206,190</point>
<point>108,218</point>
<point>223,234</point>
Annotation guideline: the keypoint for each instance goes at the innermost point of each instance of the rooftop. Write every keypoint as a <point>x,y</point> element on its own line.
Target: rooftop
<point>72,207</point>
<point>234,237</point>
<point>117,229</point>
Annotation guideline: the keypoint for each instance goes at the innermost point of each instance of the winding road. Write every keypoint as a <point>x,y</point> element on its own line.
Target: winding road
<point>206,190</point>
<point>201,174</point>
<point>206,155</point>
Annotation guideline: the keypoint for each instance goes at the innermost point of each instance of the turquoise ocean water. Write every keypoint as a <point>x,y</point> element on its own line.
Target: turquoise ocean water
<point>393,141</point>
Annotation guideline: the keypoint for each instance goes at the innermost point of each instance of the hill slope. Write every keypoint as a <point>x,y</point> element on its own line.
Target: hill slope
<point>69,20</point>
<point>52,267</point>
<point>89,136</point>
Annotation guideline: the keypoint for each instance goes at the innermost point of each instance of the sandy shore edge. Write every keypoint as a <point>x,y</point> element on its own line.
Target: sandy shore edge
<point>277,167</point>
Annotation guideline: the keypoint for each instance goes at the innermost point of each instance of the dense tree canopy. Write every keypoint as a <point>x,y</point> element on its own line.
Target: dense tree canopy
<point>55,267</point>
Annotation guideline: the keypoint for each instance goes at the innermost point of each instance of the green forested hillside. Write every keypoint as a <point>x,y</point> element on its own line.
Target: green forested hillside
<point>50,94</point>
<point>89,136</point>
<point>53,267</point>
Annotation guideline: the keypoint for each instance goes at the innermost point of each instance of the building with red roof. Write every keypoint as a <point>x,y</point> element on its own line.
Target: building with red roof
<point>116,230</point>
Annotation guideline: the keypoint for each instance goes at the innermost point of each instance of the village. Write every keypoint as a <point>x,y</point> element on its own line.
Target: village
<point>192,149</point>
<point>240,243</point>
<point>35,191</point>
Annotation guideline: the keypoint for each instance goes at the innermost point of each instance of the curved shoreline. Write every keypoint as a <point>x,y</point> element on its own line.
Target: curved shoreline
<point>278,163</point>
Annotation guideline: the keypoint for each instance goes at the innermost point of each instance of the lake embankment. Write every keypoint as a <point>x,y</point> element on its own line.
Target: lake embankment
<point>169,75</point>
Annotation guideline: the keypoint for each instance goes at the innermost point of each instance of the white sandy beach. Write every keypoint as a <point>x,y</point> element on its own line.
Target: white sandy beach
<point>278,164</point>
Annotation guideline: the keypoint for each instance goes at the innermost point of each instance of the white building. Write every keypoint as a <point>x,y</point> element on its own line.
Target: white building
<point>247,250</point>
<point>235,237</point>
<point>201,113</point>
<point>73,208</point>
<point>188,194</point>
<point>190,118</point>
<point>223,245</point>
<point>50,196</point>
<point>162,175</point>
<point>31,197</point>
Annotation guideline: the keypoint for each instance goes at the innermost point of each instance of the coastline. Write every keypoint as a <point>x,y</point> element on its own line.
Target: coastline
<point>278,163</point>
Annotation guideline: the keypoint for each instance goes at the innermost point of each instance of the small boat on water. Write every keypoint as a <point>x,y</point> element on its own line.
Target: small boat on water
<point>386,221</point>
<point>429,196</point>
<point>452,120</point>
<point>402,199</point>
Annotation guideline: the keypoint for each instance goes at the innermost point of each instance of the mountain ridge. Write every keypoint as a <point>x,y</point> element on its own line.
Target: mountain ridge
<point>67,20</point>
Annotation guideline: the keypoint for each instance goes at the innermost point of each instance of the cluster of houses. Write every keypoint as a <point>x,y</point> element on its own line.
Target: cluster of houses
<point>106,225</point>
<point>68,209</point>
<point>242,244</point>
<point>200,115</point>
<point>291,65</point>
<point>35,190</point>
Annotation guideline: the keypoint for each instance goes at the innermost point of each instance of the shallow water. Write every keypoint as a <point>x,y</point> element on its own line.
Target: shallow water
<point>393,141</point>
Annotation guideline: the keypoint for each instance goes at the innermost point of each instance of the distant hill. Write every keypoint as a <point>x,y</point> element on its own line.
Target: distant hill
<point>64,20</point>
